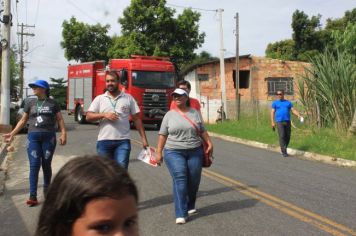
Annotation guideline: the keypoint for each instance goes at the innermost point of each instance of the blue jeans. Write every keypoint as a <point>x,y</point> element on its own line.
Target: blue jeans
<point>118,150</point>
<point>40,150</point>
<point>185,167</point>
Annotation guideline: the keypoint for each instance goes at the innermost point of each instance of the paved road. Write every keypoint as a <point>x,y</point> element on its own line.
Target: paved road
<point>248,191</point>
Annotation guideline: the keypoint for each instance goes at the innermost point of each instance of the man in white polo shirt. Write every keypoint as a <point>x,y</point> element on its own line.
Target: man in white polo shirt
<point>113,109</point>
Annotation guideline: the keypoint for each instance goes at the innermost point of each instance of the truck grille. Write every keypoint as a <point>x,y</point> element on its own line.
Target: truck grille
<point>155,105</point>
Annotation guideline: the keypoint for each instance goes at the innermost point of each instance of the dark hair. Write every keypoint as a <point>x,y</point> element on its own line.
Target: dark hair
<point>47,93</point>
<point>184,82</point>
<point>78,182</point>
<point>188,102</point>
<point>114,75</point>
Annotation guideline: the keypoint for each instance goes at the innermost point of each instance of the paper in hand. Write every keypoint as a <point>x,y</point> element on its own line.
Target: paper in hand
<point>148,156</point>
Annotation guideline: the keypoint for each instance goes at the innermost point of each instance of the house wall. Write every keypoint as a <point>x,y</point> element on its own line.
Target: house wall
<point>251,98</point>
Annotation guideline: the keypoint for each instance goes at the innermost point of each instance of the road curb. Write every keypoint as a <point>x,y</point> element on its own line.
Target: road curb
<point>3,152</point>
<point>298,153</point>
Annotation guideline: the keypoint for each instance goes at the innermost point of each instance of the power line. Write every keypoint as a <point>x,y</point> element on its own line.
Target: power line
<point>79,9</point>
<point>26,10</point>
<point>37,10</point>
<point>17,21</point>
<point>22,63</point>
<point>44,64</point>
<point>194,8</point>
<point>47,58</point>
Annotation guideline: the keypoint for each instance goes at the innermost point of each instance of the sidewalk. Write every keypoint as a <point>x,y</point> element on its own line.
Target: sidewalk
<point>3,167</point>
<point>15,216</point>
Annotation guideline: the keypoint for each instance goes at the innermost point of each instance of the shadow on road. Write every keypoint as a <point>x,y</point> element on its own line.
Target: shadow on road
<point>11,219</point>
<point>224,207</point>
<point>14,192</point>
<point>168,199</point>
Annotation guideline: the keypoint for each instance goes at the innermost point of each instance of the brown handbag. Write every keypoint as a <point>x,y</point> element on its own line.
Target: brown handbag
<point>207,157</point>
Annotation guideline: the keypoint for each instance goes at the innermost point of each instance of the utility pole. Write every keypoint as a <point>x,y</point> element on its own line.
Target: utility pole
<point>22,63</point>
<point>237,74</point>
<point>222,68</point>
<point>5,68</point>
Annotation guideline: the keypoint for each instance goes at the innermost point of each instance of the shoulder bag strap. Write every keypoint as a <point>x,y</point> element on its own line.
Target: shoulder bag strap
<point>189,120</point>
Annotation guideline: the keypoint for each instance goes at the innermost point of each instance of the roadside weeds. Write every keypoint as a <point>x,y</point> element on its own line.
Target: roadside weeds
<point>295,153</point>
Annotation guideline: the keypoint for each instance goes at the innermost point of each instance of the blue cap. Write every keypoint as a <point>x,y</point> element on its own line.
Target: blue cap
<point>39,83</point>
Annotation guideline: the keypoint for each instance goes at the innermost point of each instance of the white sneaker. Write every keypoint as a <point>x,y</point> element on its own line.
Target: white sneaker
<point>180,221</point>
<point>192,212</point>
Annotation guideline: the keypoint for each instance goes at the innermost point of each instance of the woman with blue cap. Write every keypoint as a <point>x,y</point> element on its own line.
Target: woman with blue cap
<point>41,114</point>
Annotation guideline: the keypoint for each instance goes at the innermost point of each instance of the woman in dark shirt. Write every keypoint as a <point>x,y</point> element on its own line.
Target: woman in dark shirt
<point>42,114</point>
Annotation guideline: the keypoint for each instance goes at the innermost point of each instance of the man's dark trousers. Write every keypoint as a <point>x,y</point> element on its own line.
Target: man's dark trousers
<point>284,132</point>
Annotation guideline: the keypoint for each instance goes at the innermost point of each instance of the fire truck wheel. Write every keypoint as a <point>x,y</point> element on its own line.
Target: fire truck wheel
<point>79,115</point>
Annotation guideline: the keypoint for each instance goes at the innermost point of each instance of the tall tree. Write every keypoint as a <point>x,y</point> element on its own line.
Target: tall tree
<point>202,57</point>
<point>149,28</point>
<point>283,50</point>
<point>309,38</point>
<point>341,23</point>
<point>59,91</point>
<point>345,40</point>
<point>306,34</point>
<point>84,42</point>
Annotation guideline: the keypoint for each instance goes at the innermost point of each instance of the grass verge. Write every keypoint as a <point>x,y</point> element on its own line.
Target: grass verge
<point>305,137</point>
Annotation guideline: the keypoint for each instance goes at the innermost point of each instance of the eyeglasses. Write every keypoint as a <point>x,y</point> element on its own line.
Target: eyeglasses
<point>279,94</point>
<point>177,96</point>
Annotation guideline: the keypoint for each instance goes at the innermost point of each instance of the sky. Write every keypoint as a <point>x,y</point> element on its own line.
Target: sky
<point>260,22</point>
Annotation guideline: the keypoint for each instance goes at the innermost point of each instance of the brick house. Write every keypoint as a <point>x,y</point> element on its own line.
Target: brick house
<point>259,77</point>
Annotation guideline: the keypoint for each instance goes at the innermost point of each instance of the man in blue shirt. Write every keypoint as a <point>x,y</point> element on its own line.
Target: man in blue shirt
<point>280,114</point>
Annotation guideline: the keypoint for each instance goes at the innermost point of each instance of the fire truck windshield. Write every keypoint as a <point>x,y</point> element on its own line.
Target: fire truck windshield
<point>153,79</point>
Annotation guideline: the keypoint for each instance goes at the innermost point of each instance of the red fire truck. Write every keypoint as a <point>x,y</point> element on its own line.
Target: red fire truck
<point>150,80</point>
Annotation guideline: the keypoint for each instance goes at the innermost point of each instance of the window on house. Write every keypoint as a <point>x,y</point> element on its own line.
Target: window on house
<point>244,78</point>
<point>203,77</point>
<point>275,84</point>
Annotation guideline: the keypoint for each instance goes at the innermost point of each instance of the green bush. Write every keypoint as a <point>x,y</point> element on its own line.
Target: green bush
<point>305,137</point>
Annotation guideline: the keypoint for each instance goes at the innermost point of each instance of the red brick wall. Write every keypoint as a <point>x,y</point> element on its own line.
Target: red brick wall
<point>266,67</point>
<point>260,68</point>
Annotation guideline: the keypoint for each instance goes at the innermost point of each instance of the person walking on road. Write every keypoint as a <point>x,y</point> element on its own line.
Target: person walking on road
<point>183,153</point>
<point>90,195</point>
<point>113,109</point>
<point>280,114</point>
<point>42,114</point>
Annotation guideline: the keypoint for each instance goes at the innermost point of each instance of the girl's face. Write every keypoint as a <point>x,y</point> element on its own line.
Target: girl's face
<point>108,216</point>
<point>38,91</point>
